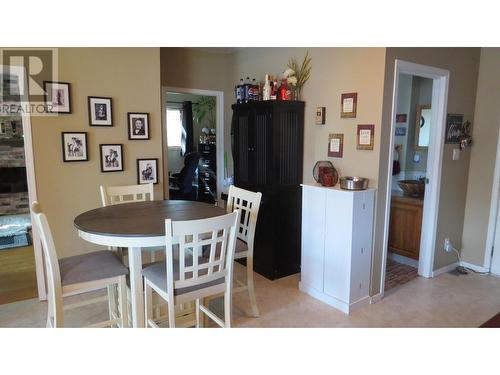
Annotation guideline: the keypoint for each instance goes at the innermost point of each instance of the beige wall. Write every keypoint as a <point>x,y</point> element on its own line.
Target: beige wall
<point>463,64</point>
<point>131,76</point>
<point>334,71</point>
<point>482,158</point>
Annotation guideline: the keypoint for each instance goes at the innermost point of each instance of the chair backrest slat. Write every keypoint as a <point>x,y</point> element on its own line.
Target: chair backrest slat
<point>125,194</point>
<point>248,202</point>
<point>52,267</point>
<point>193,238</point>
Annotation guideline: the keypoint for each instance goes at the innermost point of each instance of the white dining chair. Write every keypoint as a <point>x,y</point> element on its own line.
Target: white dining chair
<point>111,195</point>
<point>77,275</point>
<point>248,203</point>
<point>125,194</point>
<point>199,264</point>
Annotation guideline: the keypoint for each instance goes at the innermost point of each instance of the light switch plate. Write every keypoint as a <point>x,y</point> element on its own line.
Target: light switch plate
<point>456,154</point>
<point>320,115</point>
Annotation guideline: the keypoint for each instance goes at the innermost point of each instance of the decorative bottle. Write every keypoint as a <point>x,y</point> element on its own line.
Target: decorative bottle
<point>284,92</point>
<point>266,90</point>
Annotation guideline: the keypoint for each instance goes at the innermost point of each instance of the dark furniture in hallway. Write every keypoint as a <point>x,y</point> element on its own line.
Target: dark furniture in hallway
<point>207,173</point>
<point>267,146</point>
<point>182,182</point>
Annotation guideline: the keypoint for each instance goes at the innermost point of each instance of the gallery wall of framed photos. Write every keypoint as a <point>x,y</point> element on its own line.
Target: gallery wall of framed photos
<point>130,79</point>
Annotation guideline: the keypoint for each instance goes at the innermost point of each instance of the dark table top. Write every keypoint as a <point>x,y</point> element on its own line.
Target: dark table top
<point>142,219</point>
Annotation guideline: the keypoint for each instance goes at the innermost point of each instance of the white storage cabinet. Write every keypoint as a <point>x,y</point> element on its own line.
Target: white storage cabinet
<point>337,235</point>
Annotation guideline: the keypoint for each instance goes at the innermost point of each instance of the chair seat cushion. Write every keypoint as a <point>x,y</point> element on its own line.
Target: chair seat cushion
<point>156,273</point>
<point>240,246</point>
<point>93,266</point>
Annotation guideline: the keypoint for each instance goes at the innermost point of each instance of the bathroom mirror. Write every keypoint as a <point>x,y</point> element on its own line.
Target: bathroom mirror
<point>423,126</point>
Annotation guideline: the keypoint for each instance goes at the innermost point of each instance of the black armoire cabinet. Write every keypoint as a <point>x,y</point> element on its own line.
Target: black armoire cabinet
<point>267,140</point>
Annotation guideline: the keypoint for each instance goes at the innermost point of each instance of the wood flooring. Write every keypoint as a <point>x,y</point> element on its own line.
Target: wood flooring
<point>17,274</point>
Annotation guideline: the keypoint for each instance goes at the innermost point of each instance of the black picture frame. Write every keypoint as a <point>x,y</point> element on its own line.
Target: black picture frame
<point>47,85</point>
<point>132,117</point>
<point>142,181</point>
<point>107,169</point>
<point>68,158</point>
<point>100,100</point>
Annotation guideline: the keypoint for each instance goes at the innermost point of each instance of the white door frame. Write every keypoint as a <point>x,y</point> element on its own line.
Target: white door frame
<point>440,78</point>
<point>20,72</point>
<point>489,262</point>
<point>219,131</point>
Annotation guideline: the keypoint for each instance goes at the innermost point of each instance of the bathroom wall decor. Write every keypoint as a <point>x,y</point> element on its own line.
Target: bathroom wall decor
<point>401,131</point>
<point>453,128</point>
<point>401,118</point>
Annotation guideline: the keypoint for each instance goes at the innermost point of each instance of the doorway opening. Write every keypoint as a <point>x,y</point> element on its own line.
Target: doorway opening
<point>194,144</point>
<point>19,246</point>
<point>412,200</point>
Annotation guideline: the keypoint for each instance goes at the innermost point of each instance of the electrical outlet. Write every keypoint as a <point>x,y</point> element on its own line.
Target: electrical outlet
<point>448,247</point>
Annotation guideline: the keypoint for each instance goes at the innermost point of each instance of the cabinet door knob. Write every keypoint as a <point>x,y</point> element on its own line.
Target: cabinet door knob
<point>362,250</point>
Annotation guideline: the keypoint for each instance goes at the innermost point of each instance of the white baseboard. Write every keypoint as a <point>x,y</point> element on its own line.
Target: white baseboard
<point>345,307</point>
<point>474,267</point>
<point>402,259</point>
<point>377,297</point>
<point>445,269</point>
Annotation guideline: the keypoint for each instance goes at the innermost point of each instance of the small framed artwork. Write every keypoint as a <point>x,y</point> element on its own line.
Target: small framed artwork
<point>57,96</point>
<point>100,111</point>
<point>366,134</point>
<point>111,157</point>
<point>74,146</point>
<point>320,115</point>
<point>401,118</point>
<point>336,145</point>
<point>400,131</point>
<point>348,105</point>
<point>147,171</point>
<point>138,125</point>
<point>453,128</point>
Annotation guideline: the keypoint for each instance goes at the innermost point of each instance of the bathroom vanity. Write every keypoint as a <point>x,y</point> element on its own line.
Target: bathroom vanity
<point>405,225</point>
<point>337,236</point>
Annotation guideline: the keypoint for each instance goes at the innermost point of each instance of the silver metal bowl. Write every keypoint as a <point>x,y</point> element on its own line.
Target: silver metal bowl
<point>353,183</point>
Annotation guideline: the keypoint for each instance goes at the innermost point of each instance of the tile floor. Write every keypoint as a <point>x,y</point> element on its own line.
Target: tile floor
<point>398,274</point>
<point>445,301</point>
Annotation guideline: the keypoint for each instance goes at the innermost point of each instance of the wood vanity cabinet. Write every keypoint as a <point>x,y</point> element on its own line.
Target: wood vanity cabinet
<point>405,226</point>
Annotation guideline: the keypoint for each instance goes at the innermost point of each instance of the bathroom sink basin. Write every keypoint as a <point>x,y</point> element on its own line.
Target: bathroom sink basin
<point>412,188</point>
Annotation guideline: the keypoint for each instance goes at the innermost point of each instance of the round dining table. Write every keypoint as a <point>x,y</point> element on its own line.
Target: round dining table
<point>138,226</point>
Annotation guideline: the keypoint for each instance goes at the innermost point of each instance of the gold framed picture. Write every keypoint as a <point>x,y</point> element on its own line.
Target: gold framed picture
<point>348,105</point>
<point>366,133</point>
